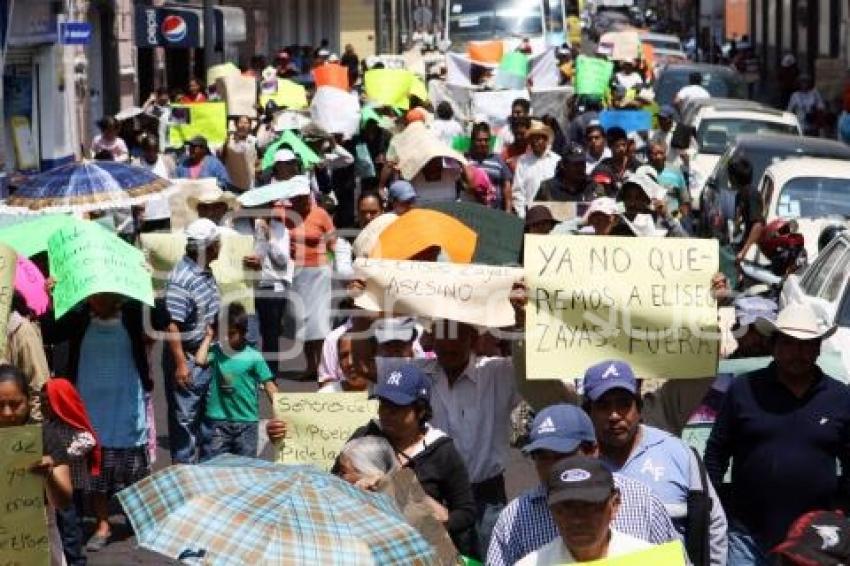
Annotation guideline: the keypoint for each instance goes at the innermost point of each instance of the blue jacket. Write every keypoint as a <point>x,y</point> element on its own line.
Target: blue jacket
<point>211,166</point>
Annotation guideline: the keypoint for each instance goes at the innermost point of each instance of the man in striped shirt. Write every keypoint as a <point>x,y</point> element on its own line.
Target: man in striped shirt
<point>526,523</point>
<point>192,301</point>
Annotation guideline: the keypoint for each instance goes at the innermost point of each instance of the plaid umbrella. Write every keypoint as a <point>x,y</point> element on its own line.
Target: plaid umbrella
<point>234,511</point>
<point>86,186</point>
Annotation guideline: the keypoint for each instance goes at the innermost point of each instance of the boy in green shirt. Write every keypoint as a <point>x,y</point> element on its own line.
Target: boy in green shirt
<point>232,410</point>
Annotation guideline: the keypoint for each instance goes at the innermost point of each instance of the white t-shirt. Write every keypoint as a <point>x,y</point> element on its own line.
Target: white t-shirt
<point>158,207</point>
<point>691,92</point>
<point>630,80</point>
<point>556,552</point>
<point>446,130</point>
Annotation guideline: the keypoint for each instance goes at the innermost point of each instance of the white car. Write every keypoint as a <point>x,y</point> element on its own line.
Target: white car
<point>716,127</point>
<point>815,193</point>
<point>662,41</point>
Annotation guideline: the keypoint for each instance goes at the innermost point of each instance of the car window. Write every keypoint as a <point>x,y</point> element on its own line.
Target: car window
<point>718,85</point>
<point>715,134</point>
<point>814,197</point>
<point>819,271</point>
<point>835,280</point>
<point>767,192</point>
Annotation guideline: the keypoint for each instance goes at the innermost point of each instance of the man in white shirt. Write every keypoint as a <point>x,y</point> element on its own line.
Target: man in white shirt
<point>596,146</point>
<point>537,165</point>
<point>628,77</point>
<point>583,501</point>
<point>693,91</point>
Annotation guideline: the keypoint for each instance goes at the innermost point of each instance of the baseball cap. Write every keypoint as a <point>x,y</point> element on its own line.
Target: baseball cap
<point>283,155</point>
<point>579,478</point>
<point>605,205</point>
<point>667,111</point>
<point>560,428</point>
<point>202,232</point>
<point>403,386</point>
<point>574,153</point>
<point>605,376</point>
<point>402,191</point>
<point>198,141</point>
<point>395,329</point>
<point>808,537</point>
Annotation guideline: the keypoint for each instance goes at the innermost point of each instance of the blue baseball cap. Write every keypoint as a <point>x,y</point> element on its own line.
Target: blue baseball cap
<point>560,428</point>
<point>403,386</point>
<point>667,111</point>
<point>402,191</point>
<point>608,375</point>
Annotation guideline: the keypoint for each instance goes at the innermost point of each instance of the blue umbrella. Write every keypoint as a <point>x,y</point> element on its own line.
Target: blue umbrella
<point>86,186</point>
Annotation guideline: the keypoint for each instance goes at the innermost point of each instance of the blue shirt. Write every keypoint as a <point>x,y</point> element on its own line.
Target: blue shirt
<point>211,166</point>
<point>783,450</point>
<point>526,523</point>
<point>192,300</point>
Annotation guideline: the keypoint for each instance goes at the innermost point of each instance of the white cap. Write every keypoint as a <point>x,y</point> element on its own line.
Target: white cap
<point>202,232</point>
<point>605,205</point>
<point>284,155</point>
<point>334,58</point>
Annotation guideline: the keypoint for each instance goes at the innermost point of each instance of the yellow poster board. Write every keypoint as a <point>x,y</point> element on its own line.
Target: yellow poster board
<point>289,95</point>
<point>23,522</point>
<point>646,301</point>
<point>208,119</point>
<point>319,424</point>
<point>668,554</point>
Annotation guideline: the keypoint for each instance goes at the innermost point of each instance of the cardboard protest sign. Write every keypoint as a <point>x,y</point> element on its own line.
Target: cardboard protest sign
<point>86,259</point>
<point>629,120</point>
<point>646,301</point>
<point>474,294</point>
<point>593,75</point>
<point>414,147</point>
<point>181,214</point>
<point>23,522</point>
<point>667,554</point>
<point>208,119</point>
<point>419,89</point>
<point>216,72</point>
<point>239,93</point>
<point>8,261</point>
<point>289,95</point>
<point>29,282</point>
<point>336,111</point>
<point>239,160</point>
<point>388,87</point>
<point>163,251</point>
<point>319,424</point>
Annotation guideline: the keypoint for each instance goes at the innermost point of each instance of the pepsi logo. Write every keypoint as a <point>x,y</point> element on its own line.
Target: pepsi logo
<point>174,29</point>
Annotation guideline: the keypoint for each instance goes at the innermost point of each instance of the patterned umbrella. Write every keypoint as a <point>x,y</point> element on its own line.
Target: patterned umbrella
<point>234,511</point>
<point>86,186</point>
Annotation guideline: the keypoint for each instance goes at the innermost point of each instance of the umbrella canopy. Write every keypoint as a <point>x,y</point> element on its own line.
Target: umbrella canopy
<point>420,229</point>
<point>233,510</point>
<point>499,233</point>
<point>86,186</point>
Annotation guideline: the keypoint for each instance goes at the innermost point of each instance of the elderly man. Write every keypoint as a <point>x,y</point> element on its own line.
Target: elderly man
<point>192,302</point>
<point>583,500</point>
<point>560,431</point>
<point>784,427</point>
<point>660,460</point>
<point>536,166</point>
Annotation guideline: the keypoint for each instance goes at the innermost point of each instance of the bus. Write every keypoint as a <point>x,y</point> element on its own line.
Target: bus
<point>542,22</point>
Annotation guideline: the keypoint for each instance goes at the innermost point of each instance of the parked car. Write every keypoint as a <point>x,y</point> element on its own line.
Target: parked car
<point>718,80</point>
<point>662,41</point>
<point>813,192</point>
<point>761,150</point>
<point>715,128</point>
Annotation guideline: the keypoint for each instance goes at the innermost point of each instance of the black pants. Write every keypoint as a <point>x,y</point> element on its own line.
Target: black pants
<point>270,311</point>
<point>71,532</point>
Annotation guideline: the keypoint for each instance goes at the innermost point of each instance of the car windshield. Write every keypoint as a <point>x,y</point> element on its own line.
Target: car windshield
<point>718,85</point>
<point>662,43</point>
<point>814,197</point>
<point>715,134</point>
<point>471,20</point>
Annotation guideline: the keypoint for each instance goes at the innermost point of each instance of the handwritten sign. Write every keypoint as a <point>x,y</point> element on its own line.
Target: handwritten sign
<point>8,260</point>
<point>86,259</point>
<point>289,95</point>
<point>414,147</point>
<point>593,75</point>
<point>240,94</point>
<point>163,251</point>
<point>668,554</point>
<point>474,294</point>
<point>319,425</point>
<point>645,301</point>
<point>388,87</point>
<point>208,119</point>
<point>23,522</point>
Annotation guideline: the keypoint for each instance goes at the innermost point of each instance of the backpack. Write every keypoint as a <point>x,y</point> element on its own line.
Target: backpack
<point>698,521</point>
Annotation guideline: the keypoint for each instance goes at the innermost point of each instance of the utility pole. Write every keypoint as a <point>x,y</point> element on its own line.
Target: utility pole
<point>209,35</point>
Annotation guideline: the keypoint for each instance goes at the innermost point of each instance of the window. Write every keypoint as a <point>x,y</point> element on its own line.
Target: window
<point>714,134</point>
<point>814,197</point>
<point>814,277</point>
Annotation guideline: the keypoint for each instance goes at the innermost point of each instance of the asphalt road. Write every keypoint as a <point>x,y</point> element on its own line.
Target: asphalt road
<point>123,550</point>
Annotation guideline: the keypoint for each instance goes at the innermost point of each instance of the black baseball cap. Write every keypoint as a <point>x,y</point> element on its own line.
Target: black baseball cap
<point>579,478</point>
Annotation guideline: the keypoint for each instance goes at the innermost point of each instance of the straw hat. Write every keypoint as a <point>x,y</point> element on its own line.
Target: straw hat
<point>211,195</point>
<point>538,128</point>
<point>797,320</point>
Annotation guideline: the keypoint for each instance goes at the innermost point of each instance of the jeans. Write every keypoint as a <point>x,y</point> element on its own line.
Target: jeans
<point>270,311</point>
<point>185,410</point>
<point>71,533</point>
<point>743,549</point>
<point>225,437</point>
<point>490,499</point>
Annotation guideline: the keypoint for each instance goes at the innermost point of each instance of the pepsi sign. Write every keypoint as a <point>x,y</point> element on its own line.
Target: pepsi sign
<point>167,27</point>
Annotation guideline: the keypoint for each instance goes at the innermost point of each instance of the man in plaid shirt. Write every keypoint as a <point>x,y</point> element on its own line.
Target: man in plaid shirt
<point>526,524</point>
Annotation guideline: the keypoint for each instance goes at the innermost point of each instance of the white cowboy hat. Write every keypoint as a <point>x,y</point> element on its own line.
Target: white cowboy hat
<point>644,225</point>
<point>647,183</point>
<point>797,320</point>
<point>211,195</point>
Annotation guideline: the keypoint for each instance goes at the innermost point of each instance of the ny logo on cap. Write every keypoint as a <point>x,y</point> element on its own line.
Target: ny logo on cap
<point>574,475</point>
<point>394,378</point>
<point>612,370</point>
<point>828,534</point>
<point>546,426</point>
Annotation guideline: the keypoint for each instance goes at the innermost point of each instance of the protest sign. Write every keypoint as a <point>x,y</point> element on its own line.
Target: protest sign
<point>593,75</point>
<point>289,95</point>
<point>29,282</point>
<point>388,87</point>
<point>23,522</point>
<point>499,234</point>
<point>208,119</point>
<point>217,72</point>
<point>240,159</point>
<point>331,74</point>
<point>513,70</point>
<point>86,259</point>
<point>181,213</point>
<point>418,89</point>
<point>239,93</point>
<point>163,251</point>
<point>336,111</point>
<point>494,107</point>
<point>414,147</point>
<point>319,424</point>
<point>306,155</point>
<point>563,211</point>
<point>646,301</point>
<point>474,294</point>
<point>30,236</point>
<point>485,51</point>
<point>8,260</point>
<point>667,554</point>
<point>629,120</point>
